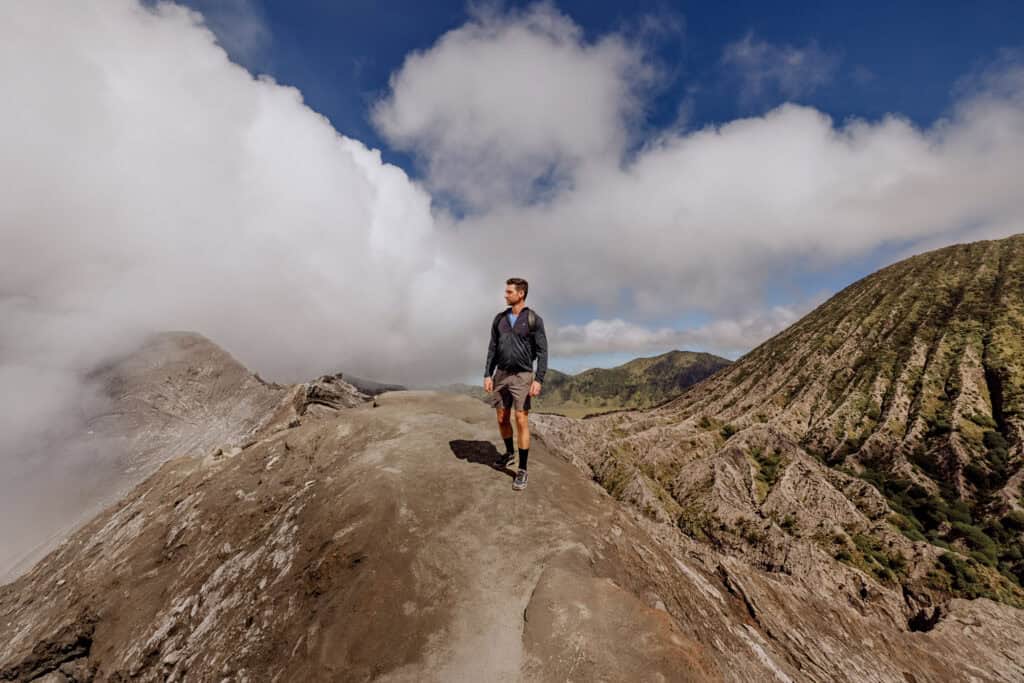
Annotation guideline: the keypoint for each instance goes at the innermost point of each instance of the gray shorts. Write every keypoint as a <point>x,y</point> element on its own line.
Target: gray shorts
<point>512,388</point>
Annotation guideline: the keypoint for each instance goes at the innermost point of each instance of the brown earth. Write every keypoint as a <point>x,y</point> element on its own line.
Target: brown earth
<point>376,543</point>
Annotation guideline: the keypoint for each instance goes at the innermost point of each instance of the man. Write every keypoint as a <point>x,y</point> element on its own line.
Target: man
<point>517,338</point>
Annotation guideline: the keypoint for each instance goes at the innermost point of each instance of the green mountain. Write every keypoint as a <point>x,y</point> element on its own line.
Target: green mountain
<point>639,383</point>
<point>886,427</point>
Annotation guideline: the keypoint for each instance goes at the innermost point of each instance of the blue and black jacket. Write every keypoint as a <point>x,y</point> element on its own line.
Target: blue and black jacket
<point>513,348</point>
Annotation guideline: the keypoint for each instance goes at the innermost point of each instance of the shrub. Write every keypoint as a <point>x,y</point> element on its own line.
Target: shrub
<point>982,420</point>
<point>963,577</point>
<point>728,430</point>
<point>908,526</point>
<point>977,475</point>
<point>1014,519</point>
<point>768,469</point>
<point>748,529</point>
<point>939,425</point>
<point>977,540</point>
<point>982,558</point>
<point>994,440</point>
<point>883,573</point>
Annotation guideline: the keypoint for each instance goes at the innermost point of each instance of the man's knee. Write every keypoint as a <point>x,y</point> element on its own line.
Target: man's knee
<point>503,416</point>
<point>522,416</point>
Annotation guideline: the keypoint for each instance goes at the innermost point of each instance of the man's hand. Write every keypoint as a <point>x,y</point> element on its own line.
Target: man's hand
<point>535,388</point>
<point>488,384</point>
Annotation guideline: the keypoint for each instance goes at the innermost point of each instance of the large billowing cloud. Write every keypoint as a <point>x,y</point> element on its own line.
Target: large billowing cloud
<point>727,336</point>
<point>148,183</point>
<point>509,106</point>
<point>704,219</point>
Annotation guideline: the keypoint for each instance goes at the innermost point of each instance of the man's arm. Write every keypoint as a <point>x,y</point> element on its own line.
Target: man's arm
<point>540,340</point>
<point>492,350</point>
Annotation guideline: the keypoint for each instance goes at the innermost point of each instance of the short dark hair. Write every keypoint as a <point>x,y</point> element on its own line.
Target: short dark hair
<point>521,284</point>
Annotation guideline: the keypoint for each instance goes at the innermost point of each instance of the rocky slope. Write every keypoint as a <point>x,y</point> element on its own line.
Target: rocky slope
<point>177,394</point>
<point>371,387</point>
<point>637,384</point>
<point>884,430</point>
<point>377,543</point>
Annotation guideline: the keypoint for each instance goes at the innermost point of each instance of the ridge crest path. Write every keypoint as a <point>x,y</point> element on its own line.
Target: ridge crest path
<point>366,543</point>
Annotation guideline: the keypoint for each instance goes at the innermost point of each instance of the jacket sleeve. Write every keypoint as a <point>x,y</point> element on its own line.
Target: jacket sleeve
<point>540,341</point>
<point>492,348</point>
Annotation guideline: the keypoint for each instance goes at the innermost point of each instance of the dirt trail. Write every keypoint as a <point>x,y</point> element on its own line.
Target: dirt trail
<point>497,544</point>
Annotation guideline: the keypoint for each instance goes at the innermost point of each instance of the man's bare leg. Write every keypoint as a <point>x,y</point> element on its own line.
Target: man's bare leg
<point>523,427</point>
<point>504,423</point>
<point>504,460</point>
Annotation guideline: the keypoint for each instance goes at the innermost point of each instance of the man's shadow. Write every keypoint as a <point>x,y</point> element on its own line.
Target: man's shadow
<point>480,452</point>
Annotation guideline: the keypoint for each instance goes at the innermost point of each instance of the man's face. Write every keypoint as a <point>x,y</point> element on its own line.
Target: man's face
<point>512,295</point>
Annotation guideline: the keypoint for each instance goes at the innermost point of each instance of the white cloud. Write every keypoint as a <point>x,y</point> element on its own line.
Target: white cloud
<point>765,68</point>
<point>726,336</point>
<point>703,219</point>
<point>150,184</point>
<point>708,219</point>
<point>510,101</point>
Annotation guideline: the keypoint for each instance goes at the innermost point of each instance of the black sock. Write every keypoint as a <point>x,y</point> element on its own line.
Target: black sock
<point>524,453</point>
<point>509,445</point>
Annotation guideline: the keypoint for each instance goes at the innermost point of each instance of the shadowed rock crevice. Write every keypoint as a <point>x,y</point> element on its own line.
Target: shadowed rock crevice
<point>71,645</point>
<point>924,620</point>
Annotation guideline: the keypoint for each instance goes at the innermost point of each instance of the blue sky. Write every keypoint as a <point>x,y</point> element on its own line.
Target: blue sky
<point>892,57</point>
<point>873,58</point>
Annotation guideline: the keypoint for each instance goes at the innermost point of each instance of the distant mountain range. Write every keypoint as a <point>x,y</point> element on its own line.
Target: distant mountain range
<point>640,383</point>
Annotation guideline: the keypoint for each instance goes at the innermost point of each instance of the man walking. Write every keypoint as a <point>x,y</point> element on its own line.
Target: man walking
<point>517,338</point>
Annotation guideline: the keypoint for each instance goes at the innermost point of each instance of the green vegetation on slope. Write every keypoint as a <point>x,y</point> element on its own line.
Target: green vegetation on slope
<point>913,378</point>
<point>641,383</point>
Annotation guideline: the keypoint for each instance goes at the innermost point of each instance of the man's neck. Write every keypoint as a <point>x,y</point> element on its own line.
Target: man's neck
<point>518,307</point>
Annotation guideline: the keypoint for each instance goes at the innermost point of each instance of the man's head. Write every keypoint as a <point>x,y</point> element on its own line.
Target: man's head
<point>515,290</point>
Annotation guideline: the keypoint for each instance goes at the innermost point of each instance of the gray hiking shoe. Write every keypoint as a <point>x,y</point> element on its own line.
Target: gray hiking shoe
<point>505,460</point>
<point>520,483</point>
